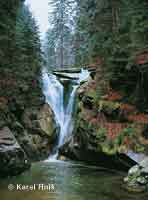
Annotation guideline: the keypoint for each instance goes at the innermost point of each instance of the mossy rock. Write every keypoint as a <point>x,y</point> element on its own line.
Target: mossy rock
<point>139,148</point>
<point>92,93</point>
<point>101,134</point>
<point>109,147</point>
<point>108,106</point>
<point>109,150</point>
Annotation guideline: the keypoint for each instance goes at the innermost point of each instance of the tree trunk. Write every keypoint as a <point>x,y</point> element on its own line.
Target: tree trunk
<point>62,37</point>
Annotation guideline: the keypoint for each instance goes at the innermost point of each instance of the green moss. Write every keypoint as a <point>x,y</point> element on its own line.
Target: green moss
<point>108,106</point>
<point>139,148</point>
<point>119,139</point>
<point>101,134</point>
<point>92,93</point>
<point>109,147</point>
<point>129,131</point>
<point>126,132</point>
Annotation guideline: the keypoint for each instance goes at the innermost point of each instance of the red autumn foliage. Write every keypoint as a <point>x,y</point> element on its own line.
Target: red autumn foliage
<point>142,58</point>
<point>138,118</point>
<point>113,96</point>
<point>114,129</point>
<point>127,108</point>
<point>100,119</point>
<point>94,121</point>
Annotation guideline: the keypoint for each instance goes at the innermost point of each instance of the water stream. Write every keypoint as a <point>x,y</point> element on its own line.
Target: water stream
<point>54,93</point>
<point>72,181</point>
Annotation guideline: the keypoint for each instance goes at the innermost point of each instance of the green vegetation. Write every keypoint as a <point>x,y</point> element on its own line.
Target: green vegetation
<point>19,39</point>
<point>113,33</point>
<point>116,33</point>
<point>101,134</point>
<point>27,53</point>
<point>108,106</point>
<point>20,54</point>
<point>59,38</point>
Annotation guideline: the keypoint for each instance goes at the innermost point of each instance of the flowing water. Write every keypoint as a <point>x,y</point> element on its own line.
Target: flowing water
<point>71,181</point>
<point>58,180</point>
<point>54,93</point>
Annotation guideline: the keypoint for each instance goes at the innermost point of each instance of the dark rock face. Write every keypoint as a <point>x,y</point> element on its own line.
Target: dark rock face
<point>89,153</point>
<point>13,159</point>
<point>25,139</point>
<point>42,132</point>
<point>27,134</point>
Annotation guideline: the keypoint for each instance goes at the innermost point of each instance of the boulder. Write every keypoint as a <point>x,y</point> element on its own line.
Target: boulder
<point>84,146</point>
<point>40,120</point>
<point>13,159</point>
<point>27,134</point>
<point>73,76</point>
<point>40,132</point>
<point>137,178</point>
<point>67,70</point>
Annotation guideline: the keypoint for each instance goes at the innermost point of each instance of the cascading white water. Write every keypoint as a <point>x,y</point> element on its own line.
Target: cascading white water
<point>54,93</point>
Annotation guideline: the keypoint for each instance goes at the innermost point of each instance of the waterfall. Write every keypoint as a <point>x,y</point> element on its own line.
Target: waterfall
<point>54,93</point>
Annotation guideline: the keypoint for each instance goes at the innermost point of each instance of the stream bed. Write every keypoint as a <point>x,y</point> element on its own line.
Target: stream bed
<point>71,181</point>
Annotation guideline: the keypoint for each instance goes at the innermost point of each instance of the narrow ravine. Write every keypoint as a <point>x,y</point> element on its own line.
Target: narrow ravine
<point>54,93</point>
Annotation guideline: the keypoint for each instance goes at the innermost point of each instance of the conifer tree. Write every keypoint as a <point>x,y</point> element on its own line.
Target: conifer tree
<point>60,35</point>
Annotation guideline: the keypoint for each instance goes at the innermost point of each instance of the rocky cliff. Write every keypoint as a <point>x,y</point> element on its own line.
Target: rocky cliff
<point>27,126</point>
<point>107,127</point>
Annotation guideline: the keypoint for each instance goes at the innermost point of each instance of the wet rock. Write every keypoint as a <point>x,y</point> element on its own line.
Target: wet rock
<point>40,120</point>
<point>62,158</point>
<point>84,148</point>
<point>134,170</point>
<point>67,70</point>
<point>13,159</point>
<point>40,132</point>
<point>88,102</point>
<point>109,108</point>
<point>145,132</point>
<point>16,106</point>
<point>25,141</point>
<point>66,75</point>
<point>144,163</point>
<point>137,179</point>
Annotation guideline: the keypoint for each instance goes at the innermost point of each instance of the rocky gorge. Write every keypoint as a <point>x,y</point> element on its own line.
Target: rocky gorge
<point>107,128</point>
<point>27,129</point>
